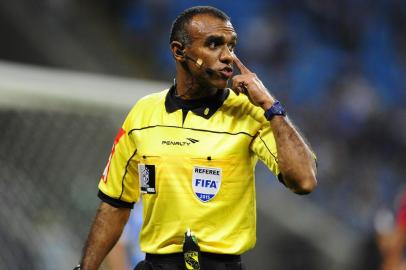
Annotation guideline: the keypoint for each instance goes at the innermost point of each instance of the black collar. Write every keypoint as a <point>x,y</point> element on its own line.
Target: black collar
<point>204,107</point>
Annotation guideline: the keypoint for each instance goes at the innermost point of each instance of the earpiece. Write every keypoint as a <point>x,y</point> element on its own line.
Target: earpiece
<point>180,52</point>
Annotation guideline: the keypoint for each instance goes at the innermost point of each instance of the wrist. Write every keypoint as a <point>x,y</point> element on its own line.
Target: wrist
<point>268,104</point>
<point>276,109</point>
<point>266,101</point>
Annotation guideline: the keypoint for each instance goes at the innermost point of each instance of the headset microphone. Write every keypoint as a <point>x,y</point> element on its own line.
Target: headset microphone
<point>198,62</point>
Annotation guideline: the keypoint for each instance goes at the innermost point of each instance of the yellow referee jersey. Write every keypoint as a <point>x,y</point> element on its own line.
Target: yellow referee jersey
<point>192,168</point>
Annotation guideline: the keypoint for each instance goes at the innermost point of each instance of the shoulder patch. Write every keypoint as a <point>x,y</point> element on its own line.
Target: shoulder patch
<point>147,178</point>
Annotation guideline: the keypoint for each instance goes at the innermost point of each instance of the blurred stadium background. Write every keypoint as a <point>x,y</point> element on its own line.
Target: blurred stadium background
<point>70,70</point>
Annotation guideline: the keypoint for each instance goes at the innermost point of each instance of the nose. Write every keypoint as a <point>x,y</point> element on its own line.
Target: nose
<point>226,56</point>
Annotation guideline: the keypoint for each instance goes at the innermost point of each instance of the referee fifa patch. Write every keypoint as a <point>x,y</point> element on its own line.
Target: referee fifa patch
<point>147,178</point>
<point>206,182</point>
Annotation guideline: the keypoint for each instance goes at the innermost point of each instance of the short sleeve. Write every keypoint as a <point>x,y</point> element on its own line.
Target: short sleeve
<point>119,185</point>
<point>264,146</point>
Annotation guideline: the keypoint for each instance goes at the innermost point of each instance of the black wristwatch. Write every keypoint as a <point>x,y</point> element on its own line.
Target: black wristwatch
<point>276,109</point>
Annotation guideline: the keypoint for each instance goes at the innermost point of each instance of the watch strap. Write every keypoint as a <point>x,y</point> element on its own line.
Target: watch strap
<point>276,109</point>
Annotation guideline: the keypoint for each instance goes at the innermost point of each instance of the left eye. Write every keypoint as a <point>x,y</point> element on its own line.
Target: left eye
<point>212,45</point>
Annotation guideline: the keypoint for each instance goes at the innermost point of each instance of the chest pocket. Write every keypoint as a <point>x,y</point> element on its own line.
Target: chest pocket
<point>233,174</point>
<point>175,176</point>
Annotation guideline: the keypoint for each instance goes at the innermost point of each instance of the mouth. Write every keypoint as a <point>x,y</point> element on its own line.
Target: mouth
<point>226,72</point>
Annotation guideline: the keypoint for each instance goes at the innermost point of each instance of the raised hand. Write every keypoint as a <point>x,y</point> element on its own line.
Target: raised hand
<point>249,84</point>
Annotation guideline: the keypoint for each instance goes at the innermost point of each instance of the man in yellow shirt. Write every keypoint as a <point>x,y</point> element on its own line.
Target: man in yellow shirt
<point>189,152</point>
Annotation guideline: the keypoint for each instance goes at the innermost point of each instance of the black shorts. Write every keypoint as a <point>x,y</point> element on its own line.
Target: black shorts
<point>208,261</point>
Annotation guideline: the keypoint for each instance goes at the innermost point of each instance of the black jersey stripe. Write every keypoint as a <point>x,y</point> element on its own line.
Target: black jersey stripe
<point>125,173</point>
<point>195,129</point>
<point>275,158</point>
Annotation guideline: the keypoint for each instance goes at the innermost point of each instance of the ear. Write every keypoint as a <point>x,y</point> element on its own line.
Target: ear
<point>177,51</point>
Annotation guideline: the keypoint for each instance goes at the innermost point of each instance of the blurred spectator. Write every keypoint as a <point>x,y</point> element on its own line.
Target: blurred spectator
<point>391,236</point>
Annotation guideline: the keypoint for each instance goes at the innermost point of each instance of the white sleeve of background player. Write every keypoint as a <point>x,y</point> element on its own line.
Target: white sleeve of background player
<point>119,183</point>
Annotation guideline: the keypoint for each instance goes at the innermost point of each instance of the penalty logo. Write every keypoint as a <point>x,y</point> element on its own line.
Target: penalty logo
<point>206,182</point>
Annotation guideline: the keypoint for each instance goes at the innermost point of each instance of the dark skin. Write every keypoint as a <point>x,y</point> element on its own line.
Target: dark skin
<point>213,41</point>
<point>104,234</point>
<point>212,44</point>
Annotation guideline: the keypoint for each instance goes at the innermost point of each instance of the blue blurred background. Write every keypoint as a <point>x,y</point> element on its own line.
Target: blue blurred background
<point>338,66</point>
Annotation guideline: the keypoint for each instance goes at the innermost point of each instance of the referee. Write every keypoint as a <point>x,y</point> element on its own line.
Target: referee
<point>189,154</point>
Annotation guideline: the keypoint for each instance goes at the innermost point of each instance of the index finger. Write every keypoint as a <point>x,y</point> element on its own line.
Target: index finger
<point>243,69</point>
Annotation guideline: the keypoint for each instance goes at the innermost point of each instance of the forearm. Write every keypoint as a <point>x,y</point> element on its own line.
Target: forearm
<point>295,159</point>
<point>104,233</point>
